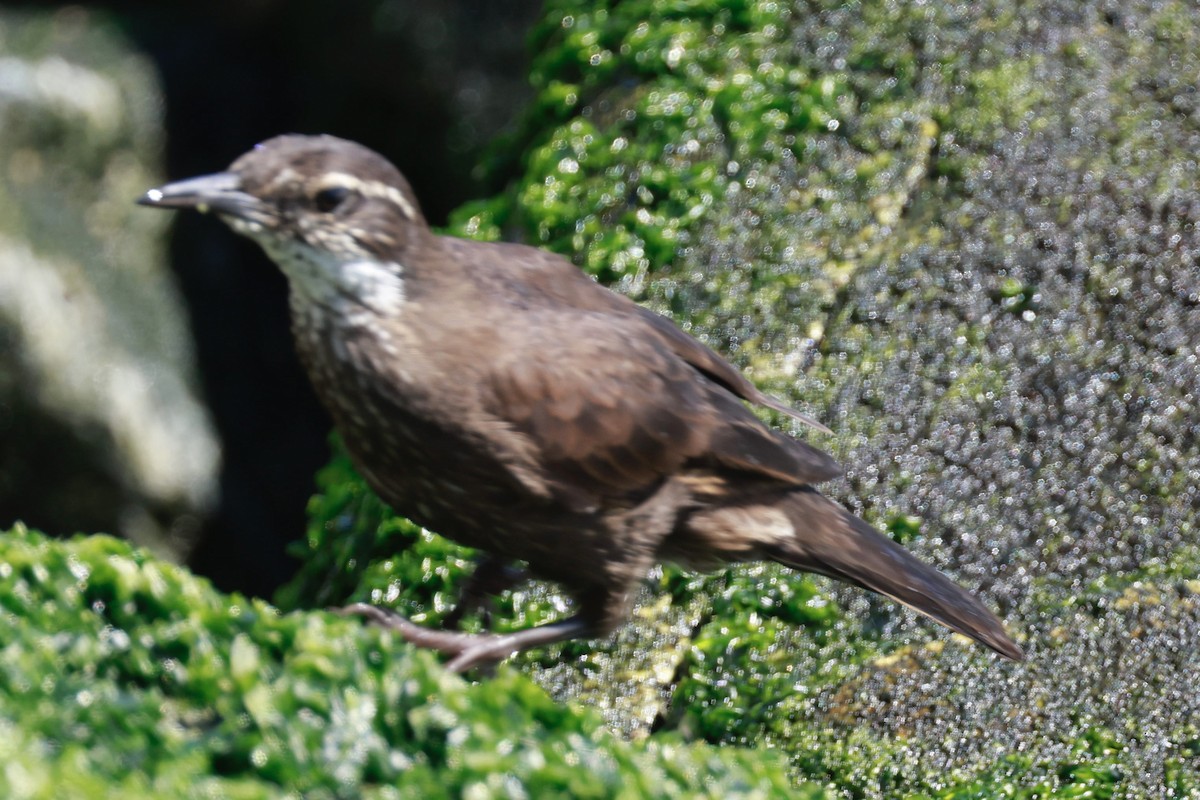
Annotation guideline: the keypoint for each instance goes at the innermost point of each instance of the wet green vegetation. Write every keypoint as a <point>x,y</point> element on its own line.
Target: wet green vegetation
<point>122,676</point>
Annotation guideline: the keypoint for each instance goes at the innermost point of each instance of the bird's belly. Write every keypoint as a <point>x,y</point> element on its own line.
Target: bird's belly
<point>450,488</point>
<point>457,497</point>
<point>422,462</point>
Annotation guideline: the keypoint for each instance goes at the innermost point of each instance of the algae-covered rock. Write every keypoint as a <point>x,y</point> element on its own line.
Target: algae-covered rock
<point>966,237</point>
<point>124,676</point>
<point>99,415</point>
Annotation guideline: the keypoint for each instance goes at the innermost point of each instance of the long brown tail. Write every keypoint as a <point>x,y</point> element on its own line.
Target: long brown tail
<point>831,541</point>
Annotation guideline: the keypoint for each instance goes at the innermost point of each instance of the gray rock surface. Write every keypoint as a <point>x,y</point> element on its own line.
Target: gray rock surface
<point>100,422</point>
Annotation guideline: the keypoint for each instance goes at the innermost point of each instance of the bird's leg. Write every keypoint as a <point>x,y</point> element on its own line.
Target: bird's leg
<point>601,610</point>
<point>471,649</point>
<point>492,575</point>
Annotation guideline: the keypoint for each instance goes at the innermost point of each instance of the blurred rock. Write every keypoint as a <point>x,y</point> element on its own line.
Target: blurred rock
<point>100,425</point>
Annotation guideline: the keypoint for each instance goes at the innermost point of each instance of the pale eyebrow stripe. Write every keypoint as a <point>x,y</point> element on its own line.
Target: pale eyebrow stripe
<point>371,189</point>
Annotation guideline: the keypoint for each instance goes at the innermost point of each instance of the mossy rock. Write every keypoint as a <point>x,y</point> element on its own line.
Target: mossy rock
<point>124,676</point>
<point>964,235</point>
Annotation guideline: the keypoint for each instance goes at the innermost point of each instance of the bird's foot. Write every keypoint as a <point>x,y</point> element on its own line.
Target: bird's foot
<point>468,650</point>
<point>465,649</point>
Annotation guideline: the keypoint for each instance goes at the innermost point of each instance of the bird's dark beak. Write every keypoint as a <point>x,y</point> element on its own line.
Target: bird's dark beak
<point>220,193</point>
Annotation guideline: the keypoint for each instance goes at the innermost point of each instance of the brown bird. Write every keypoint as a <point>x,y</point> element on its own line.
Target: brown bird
<point>495,394</point>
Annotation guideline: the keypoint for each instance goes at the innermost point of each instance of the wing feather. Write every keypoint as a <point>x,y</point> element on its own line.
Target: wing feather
<point>565,283</point>
<point>610,416</point>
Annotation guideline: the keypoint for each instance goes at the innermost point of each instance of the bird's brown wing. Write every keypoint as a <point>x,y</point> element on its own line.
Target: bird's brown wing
<point>611,411</point>
<point>572,287</point>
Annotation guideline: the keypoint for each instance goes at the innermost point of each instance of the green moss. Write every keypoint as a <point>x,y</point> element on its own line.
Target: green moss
<point>628,182</point>
<point>120,674</point>
<point>740,668</point>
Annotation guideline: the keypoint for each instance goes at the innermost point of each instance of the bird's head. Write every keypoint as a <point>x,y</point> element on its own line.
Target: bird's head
<point>334,215</point>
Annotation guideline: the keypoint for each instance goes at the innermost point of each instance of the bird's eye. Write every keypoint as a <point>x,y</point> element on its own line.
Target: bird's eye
<point>329,199</point>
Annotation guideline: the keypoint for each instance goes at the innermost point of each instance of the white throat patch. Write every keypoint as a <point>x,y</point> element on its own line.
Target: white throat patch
<point>379,285</point>
<point>353,288</point>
